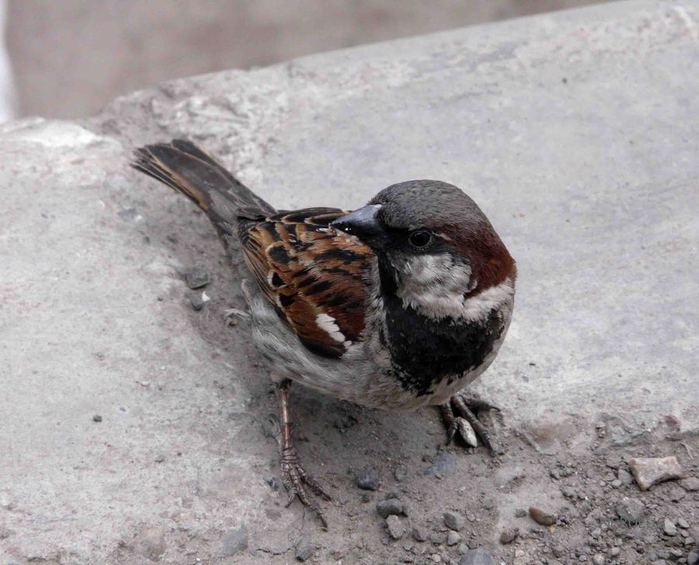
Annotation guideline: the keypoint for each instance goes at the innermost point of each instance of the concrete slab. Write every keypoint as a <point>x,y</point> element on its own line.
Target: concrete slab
<point>576,134</point>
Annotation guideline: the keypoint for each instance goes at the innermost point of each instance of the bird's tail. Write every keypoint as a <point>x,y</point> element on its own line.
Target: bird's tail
<point>183,166</point>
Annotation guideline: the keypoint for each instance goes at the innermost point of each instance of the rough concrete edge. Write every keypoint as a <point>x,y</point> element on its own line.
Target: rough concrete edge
<point>486,50</point>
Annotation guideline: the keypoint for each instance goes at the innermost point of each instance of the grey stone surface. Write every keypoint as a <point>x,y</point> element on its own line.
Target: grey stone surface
<point>576,133</point>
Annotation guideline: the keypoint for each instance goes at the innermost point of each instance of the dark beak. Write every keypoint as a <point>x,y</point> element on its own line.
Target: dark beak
<point>363,223</point>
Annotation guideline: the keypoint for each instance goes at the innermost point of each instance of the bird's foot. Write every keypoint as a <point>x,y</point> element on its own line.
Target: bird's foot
<point>296,480</point>
<point>460,415</point>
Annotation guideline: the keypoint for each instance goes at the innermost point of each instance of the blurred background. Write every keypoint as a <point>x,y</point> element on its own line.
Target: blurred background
<point>68,58</point>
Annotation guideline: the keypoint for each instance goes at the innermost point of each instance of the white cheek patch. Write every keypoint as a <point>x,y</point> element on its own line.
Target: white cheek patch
<point>437,269</point>
<point>436,286</point>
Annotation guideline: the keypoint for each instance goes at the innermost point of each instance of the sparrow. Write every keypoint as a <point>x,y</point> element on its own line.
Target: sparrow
<point>397,305</point>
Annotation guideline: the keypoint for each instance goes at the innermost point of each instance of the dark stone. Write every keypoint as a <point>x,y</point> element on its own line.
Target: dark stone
<point>630,510</point>
<point>305,550</point>
<point>196,299</point>
<point>274,483</point>
<point>508,536</point>
<point>389,507</point>
<point>368,478</point>
<point>97,418</point>
<point>419,534</point>
<point>454,521</point>
<point>196,278</point>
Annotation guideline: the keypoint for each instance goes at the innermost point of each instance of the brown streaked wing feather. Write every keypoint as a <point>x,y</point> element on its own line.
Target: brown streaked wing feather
<point>315,277</point>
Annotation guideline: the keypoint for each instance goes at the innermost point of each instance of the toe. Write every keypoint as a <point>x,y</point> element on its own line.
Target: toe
<point>476,403</point>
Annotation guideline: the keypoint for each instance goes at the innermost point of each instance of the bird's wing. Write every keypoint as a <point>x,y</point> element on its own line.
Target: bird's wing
<point>315,276</point>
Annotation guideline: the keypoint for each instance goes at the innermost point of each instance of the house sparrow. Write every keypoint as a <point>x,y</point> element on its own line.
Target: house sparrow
<point>397,305</point>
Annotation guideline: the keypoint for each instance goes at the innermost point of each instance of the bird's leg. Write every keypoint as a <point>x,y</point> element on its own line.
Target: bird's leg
<point>294,476</point>
<point>460,415</point>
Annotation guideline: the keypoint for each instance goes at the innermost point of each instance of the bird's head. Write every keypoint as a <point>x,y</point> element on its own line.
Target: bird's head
<point>431,240</point>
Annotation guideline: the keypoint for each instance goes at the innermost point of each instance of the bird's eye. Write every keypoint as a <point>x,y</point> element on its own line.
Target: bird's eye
<point>420,238</point>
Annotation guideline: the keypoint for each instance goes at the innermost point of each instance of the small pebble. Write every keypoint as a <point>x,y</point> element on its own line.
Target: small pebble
<point>520,513</point>
<point>197,300</point>
<point>669,527</point>
<point>630,510</point>
<point>598,559</point>
<point>368,478</point>
<point>274,483</point>
<point>541,517</point>
<point>649,471</point>
<point>676,494</point>
<point>508,535</point>
<point>453,538</point>
<point>389,507</point>
<point>400,473</point>
<point>682,523</point>
<point>419,534</point>
<point>693,557</point>
<point>690,484</point>
<point>97,418</point>
<point>454,521</point>
<point>304,550</point>
<point>196,278</point>
<point>395,527</point>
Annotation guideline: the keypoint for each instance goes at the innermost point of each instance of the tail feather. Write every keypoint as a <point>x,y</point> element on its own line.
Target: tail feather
<point>181,165</point>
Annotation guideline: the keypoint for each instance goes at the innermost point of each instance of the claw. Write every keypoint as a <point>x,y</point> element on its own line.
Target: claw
<point>459,417</point>
<point>296,479</point>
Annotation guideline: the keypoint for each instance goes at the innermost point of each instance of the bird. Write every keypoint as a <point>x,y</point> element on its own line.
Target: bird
<point>397,305</point>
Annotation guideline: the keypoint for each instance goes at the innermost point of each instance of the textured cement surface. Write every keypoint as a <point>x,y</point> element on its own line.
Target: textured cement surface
<point>576,133</point>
